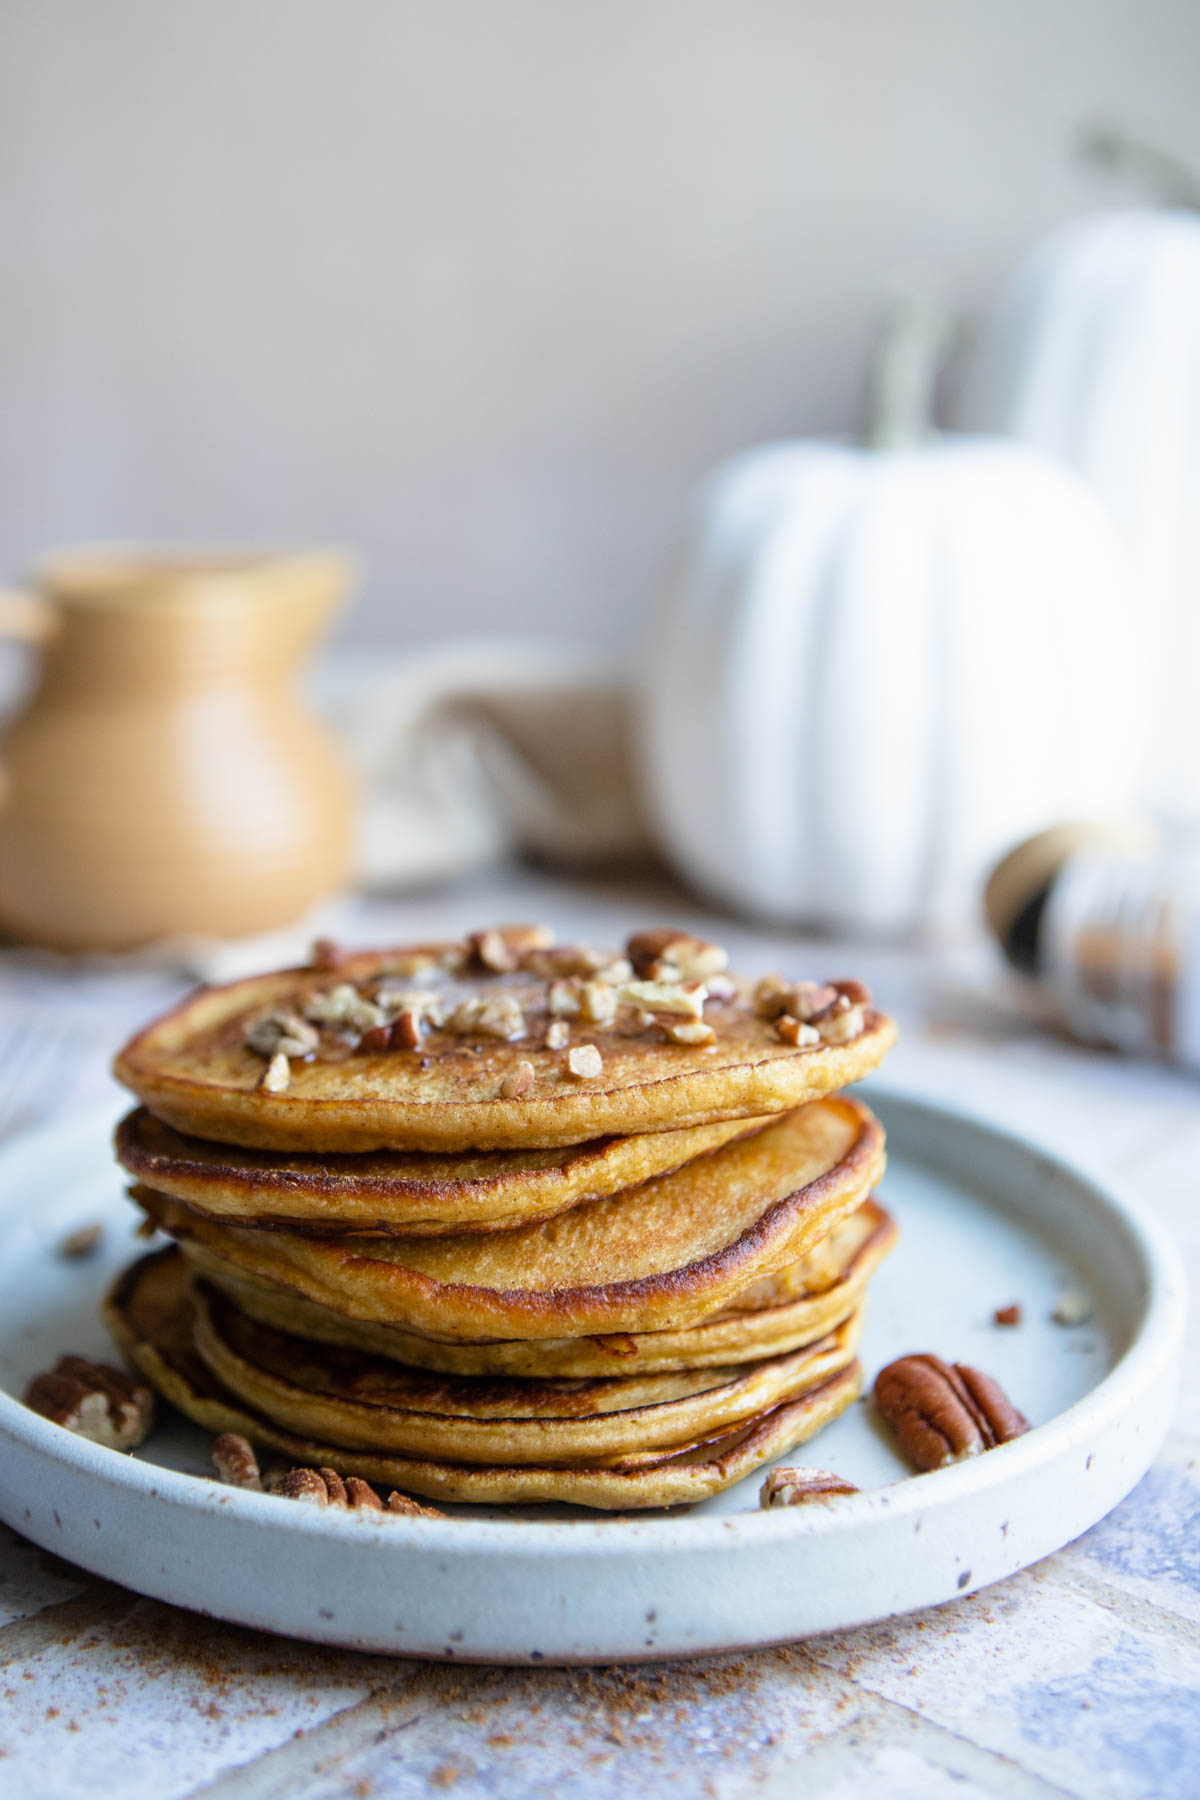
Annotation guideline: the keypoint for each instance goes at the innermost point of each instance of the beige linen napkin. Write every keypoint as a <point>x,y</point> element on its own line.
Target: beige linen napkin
<point>472,751</point>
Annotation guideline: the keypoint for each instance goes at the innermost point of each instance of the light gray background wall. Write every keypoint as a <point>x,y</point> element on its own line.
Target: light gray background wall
<point>481,286</point>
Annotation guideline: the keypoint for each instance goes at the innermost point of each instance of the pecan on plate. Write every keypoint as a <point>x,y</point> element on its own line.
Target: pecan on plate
<point>797,1487</point>
<point>943,1412</point>
<point>93,1400</point>
<point>412,1509</point>
<point>234,1460</point>
<point>325,1487</point>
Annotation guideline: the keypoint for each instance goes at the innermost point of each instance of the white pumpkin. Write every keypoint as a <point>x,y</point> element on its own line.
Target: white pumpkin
<point>1092,354</point>
<point>876,669</point>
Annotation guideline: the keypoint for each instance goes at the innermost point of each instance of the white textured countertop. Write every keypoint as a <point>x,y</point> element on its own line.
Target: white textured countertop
<point>1081,1676</point>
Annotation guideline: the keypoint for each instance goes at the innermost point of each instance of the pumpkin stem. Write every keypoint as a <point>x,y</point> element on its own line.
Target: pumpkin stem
<point>902,375</point>
<point>1168,178</point>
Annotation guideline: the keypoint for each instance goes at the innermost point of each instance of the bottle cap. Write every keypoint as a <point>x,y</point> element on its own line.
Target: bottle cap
<point>1020,883</point>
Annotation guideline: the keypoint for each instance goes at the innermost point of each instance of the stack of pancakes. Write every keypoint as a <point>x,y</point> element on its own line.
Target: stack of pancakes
<point>502,1220</point>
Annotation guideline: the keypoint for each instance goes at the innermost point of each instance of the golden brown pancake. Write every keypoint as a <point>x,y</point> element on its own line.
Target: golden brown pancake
<point>149,1314</point>
<point>664,1255</point>
<point>457,1087</point>
<point>392,1192</point>
<point>781,1313</point>
<point>372,1403</point>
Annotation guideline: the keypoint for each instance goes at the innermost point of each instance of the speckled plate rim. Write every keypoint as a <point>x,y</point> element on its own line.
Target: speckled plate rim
<point>602,1589</point>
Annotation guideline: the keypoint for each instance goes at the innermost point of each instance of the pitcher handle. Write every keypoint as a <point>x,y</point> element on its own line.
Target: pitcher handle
<point>26,617</point>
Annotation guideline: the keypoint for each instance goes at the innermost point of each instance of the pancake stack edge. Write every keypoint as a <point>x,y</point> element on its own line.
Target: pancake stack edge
<point>503,1220</point>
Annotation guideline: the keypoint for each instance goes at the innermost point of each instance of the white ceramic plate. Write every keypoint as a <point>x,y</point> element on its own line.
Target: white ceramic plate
<point>985,1219</point>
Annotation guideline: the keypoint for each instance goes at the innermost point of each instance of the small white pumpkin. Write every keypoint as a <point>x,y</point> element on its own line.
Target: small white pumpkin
<point>1092,354</point>
<point>878,667</point>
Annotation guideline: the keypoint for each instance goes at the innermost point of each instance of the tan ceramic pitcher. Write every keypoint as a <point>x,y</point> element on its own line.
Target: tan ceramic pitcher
<point>165,777</point>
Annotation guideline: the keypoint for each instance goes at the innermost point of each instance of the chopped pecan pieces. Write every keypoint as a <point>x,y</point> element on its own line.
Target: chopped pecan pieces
<point>616,970</point>
<point>942,1412</point>
<point>839,1022</point>
<point>343,1008</point>
<point>802,1000</point>
<point>425,1004</point>
<point>81,1242</point>
<point>423,962</point>
<point>685,997</point>
<point>598,1003</point>
<point>516,1085</point>
<point>584,1061</point>
<point>327,953</point>
<point>496,1015</point>
<point>412,1509</point>
<point>281,1031</point>
<point>501,949</point>
<point>560,961</point>
<point>797,1487</point>
<point>405,1031</point>
<point>564,997</point>
<point>1007,1315</point>
<point>235,1462</point>
<point>692,1031</point>
<point>492,953</point>
<point>668,955</point>
<point>93,1400</point>
<point>857,992</point>
<point>276,1078</point>
<point>795,1031</point>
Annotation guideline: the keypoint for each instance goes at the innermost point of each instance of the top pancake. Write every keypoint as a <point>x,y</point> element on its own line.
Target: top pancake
<point>462,1085</point>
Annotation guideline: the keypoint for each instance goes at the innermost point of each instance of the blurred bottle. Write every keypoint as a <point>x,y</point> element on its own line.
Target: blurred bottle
<point>1107,920</point>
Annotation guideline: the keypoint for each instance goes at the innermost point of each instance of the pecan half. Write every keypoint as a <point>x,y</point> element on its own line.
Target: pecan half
<point>412,1509</point>
<point>943,1412</point>
<point>235,1462</point>
<point>325,1487</point>
<point>796,1487</point>
<point>93,1400</point>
